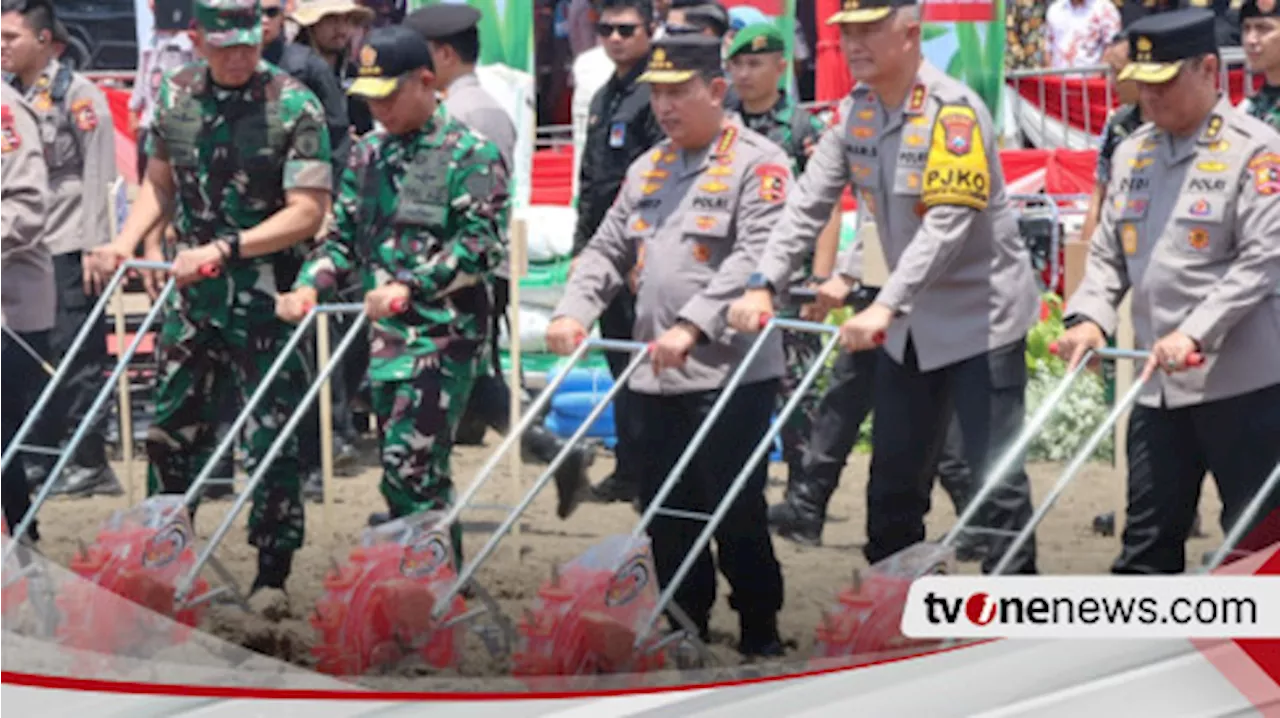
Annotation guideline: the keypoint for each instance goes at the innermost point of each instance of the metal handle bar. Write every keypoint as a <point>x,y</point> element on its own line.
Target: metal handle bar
<point>1251,511</point>
<point>83,428</point>
<point>188,580</point>
<point>641,352</point>
<point>744,474</point>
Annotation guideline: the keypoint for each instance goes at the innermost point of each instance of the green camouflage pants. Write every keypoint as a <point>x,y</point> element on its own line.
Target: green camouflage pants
<point>202,356</point>
<point>800,350</point>
<point>419,417</point>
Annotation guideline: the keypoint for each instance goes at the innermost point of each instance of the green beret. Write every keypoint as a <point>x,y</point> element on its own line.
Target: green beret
<point>757,39</point>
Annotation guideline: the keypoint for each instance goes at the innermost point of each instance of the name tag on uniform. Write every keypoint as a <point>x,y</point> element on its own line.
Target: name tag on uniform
<point>617,134</point>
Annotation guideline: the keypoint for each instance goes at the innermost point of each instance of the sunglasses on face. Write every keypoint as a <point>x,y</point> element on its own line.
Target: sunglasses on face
<point>606,29</point>
<point>271,12</point>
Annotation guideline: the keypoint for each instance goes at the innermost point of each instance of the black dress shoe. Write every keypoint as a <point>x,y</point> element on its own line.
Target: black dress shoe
<point>379,518</point>
<point>759,637</point>
<point>796,524</point>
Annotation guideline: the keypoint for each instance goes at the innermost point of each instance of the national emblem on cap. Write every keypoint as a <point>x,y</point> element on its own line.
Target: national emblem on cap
<point>1160,43</point>
<point>368,56</point>
<point>388,55</point>
<point>760,38</point>
<point>864,11</point>
<point>678,58</point>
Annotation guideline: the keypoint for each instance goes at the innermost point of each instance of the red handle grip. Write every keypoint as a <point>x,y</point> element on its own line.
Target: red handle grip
<point>1053,348</point>
<point>399,305</point>
<point>764,320</point>
<point>878,338</point>
<point>210,271</point>
<point>1195,359</point>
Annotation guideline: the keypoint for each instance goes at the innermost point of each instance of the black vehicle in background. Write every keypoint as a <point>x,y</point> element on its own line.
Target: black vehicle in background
<point>103,33</point>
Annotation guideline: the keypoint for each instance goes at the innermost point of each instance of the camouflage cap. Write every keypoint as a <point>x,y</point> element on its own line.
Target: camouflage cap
<point>229,22</point>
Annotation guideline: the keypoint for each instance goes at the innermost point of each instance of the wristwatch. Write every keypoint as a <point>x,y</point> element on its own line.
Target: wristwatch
<point>406,278</point>
<point>759,281</point>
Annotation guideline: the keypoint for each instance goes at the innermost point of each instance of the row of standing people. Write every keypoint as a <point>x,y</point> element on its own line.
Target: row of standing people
<point>715,209</point>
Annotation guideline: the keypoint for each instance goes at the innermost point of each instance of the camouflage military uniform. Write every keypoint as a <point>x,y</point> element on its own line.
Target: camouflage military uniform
<point>1265,105</point>
<point>234,154</point>
<point>1122,123</point>
<point>796,131</point>
<point>426,210</point>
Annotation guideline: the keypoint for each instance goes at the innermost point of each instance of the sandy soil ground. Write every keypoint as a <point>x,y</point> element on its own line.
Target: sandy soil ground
<point>1067,545</point>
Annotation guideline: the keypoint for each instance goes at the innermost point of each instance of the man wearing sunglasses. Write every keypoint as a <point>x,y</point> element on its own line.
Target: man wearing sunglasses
<point>79,140</point>
<point>621,127</point>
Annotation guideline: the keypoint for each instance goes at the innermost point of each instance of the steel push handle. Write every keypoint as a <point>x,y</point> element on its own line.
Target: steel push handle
<point>640,352</point>
<point>82,429</point>
<point>744,474</point>
<point>187,581</point>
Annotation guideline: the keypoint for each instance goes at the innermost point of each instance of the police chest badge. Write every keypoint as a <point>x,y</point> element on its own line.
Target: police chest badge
<point>1129,238</point>
<point>617,134</point>
<point>1266,173</point>
<point>85,118</point>
<point>1198,238</point>
<point>773,183</point>
<point>9,139</point>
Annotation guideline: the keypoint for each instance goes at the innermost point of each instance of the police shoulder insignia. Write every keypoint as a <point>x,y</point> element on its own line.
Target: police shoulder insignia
<point>82,111</point>
<point>916,104</point>
<point>957,171</point>
<point>9,139</point>
<point>773,183</point>
<point>1212,130</point>
<point>1266,173</point>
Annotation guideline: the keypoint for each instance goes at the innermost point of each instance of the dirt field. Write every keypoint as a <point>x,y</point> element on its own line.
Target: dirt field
<point>813,576</point>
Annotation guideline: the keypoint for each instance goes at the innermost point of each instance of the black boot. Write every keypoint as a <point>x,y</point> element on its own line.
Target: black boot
<point>759,636</point>
<point>800,516</point>
<point>572,484</point>
<point>274,567</point>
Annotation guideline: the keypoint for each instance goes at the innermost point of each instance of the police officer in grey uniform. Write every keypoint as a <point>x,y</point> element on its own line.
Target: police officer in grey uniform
<point>29,299</point>
<point>686,231</point>
<point>451,32</point>
<point>919,149</point>
<point>79,140</point>
<point>1193,229</point>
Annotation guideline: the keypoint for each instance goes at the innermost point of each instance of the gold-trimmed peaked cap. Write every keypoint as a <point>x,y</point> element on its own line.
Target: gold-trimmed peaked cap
<point>386,57</point>
<point>677,58</point>
<point>861,11</point>
<point>1160,43</point>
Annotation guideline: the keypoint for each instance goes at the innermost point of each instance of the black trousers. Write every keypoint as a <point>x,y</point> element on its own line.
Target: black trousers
<point>22,383</point>
<point>1236,439</point>
<point>743,547</point>
<point>913,410</point>
<point>617,322</point>
<point>844,407</point>
<point>490,400</point>
<point>87,373</point>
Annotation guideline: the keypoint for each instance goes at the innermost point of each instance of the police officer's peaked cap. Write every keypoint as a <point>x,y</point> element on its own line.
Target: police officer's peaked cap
<point>1158,44</point>
<point>677,58</point>
<point>441,20</point>
<point>862,11</point>
<point>386,57</point>
<point>1259,8</point>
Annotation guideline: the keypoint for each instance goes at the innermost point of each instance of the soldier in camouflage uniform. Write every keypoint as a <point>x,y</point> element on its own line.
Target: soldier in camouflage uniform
<point>757,65</point>
<point>1260,28</point>
<point>420,218</point>
<point>239,153</point>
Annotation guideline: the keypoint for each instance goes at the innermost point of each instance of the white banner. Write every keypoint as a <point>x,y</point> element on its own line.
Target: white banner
<point>1093,607</point>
